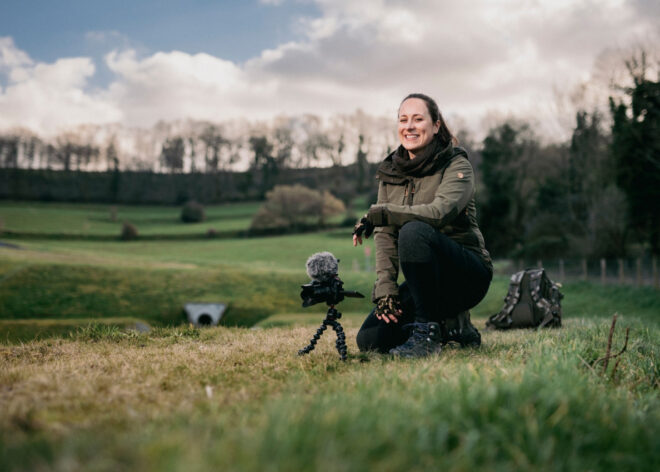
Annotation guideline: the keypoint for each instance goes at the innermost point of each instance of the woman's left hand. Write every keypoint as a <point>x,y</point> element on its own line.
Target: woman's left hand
<point>388,309</point>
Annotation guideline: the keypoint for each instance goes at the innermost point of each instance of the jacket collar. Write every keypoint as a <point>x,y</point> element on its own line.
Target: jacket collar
<point>398,168</point>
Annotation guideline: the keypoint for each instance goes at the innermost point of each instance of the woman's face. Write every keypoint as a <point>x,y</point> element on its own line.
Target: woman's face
<point>416,128</point>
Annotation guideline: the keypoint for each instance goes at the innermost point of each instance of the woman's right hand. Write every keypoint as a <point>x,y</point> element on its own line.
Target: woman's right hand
<point>388,309</point>
<point>362,227</point>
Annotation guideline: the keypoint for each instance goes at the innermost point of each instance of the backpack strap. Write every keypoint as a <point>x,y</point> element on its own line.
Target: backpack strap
<point>549,301</point>
<point>503,319</point>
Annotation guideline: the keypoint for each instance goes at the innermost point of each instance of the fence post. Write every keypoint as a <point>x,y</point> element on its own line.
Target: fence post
<point>654,264</point>
<point>520,265</point>
<point>584,269</point>
<point>603,270</point>
<point>622,277</point>
<point>562,275</point>
<point>638,267</point>
<point>539,263</point>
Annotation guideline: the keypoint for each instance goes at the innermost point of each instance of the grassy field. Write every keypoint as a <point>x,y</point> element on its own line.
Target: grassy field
<point>104,220</point>
<point>81,389</point>
<point>97,219</point>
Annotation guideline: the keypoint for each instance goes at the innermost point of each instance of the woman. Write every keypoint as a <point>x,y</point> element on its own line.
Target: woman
<point>424,223</point>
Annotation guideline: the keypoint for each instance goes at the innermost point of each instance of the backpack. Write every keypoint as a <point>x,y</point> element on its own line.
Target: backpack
<point>533,301</point>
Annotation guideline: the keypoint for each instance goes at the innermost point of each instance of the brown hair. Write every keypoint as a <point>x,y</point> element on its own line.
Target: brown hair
<point>443,133</point>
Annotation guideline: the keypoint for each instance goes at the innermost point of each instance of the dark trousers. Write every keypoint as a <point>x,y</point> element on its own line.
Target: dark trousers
<point>442,279</point>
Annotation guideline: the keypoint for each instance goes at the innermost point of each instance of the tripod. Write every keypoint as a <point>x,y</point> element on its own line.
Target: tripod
<point>330,319</point>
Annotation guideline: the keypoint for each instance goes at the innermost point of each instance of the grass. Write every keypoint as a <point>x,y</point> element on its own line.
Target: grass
<point>63,220</point>
<point>237,399</point>
<point>26,330</point>
<point>81,389</point>
<point>96,219</point>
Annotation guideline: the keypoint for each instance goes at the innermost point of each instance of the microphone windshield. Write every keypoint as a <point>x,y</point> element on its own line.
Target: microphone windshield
<point>322,266</point>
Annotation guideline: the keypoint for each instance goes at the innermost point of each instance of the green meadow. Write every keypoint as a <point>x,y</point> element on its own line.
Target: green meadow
<point>83,389</point>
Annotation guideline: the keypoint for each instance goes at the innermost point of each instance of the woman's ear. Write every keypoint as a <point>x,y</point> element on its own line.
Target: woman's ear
<point>436,127</point>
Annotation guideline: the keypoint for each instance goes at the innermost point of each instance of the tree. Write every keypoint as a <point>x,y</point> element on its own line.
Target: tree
<point>361,160</point>
<point>591,180</point>
<point>636,150</point>
<point>283,145</point>
<point>172,153</point>
<point>507,156</point>
<point>111,156</point>
<point>9,151</point>
<point>264,162</point>
<point>214,141</point>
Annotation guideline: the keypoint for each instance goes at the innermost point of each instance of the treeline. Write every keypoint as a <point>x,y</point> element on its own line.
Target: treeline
<point>172,189</point>
<point>597,196</point>
<point>204,147</point>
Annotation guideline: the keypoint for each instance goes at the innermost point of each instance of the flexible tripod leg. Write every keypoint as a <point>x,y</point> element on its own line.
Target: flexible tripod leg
<point>312,343</point>
<point>341,339</point>
<point>330,319</point>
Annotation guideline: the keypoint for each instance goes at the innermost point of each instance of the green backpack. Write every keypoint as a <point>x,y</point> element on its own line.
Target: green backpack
<point>533,301</point>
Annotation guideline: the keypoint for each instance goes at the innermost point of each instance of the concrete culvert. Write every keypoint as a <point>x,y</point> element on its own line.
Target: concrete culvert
<point>205,319</point>
<point>204,314</point>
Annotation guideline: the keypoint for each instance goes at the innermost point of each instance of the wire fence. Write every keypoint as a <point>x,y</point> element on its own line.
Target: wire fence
<point>639,271</point>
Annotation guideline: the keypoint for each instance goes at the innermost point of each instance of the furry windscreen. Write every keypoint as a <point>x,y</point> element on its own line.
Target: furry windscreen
<point>322,266</point>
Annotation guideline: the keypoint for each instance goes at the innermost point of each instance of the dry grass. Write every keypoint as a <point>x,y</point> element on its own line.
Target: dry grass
<point>241,399</point>
<point>63,383</point>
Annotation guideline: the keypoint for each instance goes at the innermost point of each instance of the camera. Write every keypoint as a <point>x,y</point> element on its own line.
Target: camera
<point>326,286</point>
<point>330,291</point>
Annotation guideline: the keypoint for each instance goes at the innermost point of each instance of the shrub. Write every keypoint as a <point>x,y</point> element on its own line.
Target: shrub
<point>128,232</point>
<point>192,212</point>
<point>296,206</point>
<point>330,205</point>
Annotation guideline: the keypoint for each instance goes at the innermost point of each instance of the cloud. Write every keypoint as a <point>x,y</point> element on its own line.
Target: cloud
<point>49,97</point>
<point>10,56</point>
<point>473,57</point>
<point>168,86</point>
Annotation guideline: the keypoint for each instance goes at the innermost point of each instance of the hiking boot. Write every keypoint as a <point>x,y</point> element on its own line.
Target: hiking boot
<point>460,330</point>
<point>424,340</point>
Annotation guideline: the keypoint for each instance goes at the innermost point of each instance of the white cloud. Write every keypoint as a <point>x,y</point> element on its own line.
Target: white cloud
<point>10,56</point>
<point>49,97</point>
<point>472,56</point>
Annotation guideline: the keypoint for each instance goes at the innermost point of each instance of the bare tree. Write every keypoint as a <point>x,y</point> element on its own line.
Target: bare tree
<point>172,153</point>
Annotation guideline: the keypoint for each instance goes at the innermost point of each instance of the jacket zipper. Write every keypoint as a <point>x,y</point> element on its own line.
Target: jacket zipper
<point>411,195</point>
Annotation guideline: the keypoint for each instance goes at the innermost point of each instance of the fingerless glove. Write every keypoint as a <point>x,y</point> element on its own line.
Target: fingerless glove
<point>388,305</point>
<point>363,227</point>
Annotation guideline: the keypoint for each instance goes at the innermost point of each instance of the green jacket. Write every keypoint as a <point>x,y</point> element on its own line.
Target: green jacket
<point>439,191</point>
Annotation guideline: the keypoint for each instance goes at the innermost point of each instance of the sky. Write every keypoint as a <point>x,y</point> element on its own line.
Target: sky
<point>66,63</point>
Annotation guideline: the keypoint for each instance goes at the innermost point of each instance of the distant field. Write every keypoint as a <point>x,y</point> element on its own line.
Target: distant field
<point>278,253</point>
<point>96,219</point>
<point>260,277</point>
<point>34,218</point>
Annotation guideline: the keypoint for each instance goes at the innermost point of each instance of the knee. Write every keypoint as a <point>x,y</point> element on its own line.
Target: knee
<point>363,341</point>
<point>414,236</point>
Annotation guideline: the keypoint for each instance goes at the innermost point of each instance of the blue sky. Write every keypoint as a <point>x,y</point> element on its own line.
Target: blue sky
<point>67,63</point>
<point>235,30</point>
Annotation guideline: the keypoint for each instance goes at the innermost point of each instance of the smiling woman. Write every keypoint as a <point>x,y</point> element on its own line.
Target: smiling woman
<point>425,224</point>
